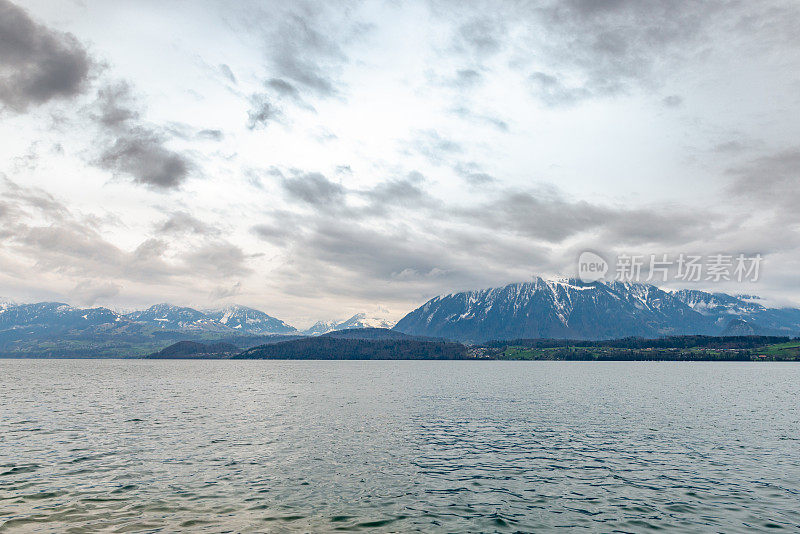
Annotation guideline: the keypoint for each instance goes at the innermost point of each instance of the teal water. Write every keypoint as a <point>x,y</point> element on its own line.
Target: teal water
<point>319,446</point>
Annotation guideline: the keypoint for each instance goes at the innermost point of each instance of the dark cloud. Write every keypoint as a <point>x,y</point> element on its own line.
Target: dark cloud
<point>133,147</point>
<point>38,64</point>
<point>672,101</point>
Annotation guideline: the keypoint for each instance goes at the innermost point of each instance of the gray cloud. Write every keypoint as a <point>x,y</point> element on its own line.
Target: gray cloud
<point>262,112</point>
<point>313,188</point>
<point>227,73</point>
<point>553,92</point>
<point>224,292</point>
<point>87,292</point>
<point>210,135</point>
<point>180,223</point>
<point>472,173</point>
<point>482,36</point>
<point>436,148</point>
<point>672,101</point>
<point>545,215</point>
<point>38,64</point>
<point>217,259</point>
<point>133,147</point>
<point>771,181</point>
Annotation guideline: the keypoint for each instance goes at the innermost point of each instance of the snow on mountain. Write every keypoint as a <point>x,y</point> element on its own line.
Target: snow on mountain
<point>573,309</point>
<point>359,320</point>
<point>321,327</point>
<point>168,317</point>
<point>249,320</point>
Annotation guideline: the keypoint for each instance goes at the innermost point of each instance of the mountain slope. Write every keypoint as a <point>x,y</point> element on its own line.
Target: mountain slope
<point>576,310</point>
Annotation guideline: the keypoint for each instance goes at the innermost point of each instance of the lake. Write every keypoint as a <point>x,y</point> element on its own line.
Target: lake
<point>398,446</point>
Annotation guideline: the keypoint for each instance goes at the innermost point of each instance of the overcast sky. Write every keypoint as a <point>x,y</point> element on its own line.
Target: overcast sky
<point>317,159</point>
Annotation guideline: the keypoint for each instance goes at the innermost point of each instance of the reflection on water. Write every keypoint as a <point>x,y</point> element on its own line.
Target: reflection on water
<point>253,446</point>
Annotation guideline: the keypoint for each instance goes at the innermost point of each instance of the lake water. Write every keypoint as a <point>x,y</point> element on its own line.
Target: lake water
<point>285,446</point>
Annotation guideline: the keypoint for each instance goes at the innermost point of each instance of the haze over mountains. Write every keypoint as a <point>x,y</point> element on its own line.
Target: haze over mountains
<point>560,309</point>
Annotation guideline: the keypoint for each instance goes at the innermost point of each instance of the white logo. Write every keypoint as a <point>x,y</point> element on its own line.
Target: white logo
<point>591,267</point>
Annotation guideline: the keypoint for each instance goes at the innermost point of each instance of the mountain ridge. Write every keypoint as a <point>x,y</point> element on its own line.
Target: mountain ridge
<point>569,308</point>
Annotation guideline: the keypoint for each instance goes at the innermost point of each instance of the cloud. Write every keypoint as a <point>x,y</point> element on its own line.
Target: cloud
<point>672,101</point>
<point>553,92</point>
<point>466,113</point>
<point>471,172</point>
<point>223,292</point>
<point>433,146</point>
<point>227,73</point>
<point>770,181</point>
<point>262,111</point>
<point>313,188</point>
<point>87,292</point>
<point>217,259</point>
<point>133,147</point>
<point>38,64</point>
<point>210,135</point>
<point>181,223</point>
<point>481,36</point>
<point>547,216</point>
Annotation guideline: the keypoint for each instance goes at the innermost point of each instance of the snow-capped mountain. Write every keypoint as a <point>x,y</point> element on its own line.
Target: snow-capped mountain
<point>168,317</point>
<point>359,320</point>
<point>321,327</point>
<point>599,310</point>
<point>362,320</point>
<point>55,316</point>
<point>248,320</point>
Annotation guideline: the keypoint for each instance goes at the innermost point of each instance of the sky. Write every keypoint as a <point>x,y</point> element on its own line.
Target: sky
<point>319,159</point>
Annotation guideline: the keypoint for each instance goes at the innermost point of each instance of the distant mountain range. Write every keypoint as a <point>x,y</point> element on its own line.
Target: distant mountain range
<point>57,329</point>
<point>540,309</point>
<point>570,309</point>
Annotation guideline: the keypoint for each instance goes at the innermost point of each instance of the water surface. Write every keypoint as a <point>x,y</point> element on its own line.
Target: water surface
<point>284,446</point>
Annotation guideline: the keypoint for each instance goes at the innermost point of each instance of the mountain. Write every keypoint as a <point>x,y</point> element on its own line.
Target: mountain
<point>730,312</point>
<point>55,316</point>
<point>250,321</point>
<point>55,329</point>
<point>168,317</point>
<point>362,320</point>
<point>359,320</point>
<point>570,309</point>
